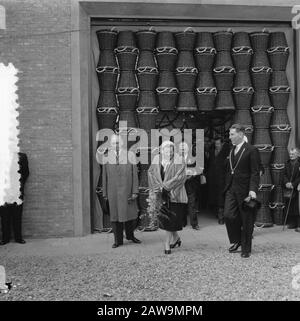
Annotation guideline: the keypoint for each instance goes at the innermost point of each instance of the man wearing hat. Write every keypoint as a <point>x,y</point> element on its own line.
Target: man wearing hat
<point>241,186</point>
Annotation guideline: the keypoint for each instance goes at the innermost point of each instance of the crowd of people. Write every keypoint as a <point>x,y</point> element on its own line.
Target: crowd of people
<point>228,184</point>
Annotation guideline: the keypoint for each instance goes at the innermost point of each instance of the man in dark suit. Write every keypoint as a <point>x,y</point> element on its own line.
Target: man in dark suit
<point>242,181</point>
<point>11,214</point>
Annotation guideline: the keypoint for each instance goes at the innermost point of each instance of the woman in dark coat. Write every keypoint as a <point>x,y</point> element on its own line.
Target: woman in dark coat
<point>291,180</point>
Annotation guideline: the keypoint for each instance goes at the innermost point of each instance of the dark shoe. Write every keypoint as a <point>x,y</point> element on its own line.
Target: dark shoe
<point>297,229</point>
<point>135,240</point>
<point>167,251</point>
<point>115,245</point>
<point>245,254</point>
<point>292,226</point>
<point>196,227</point>
<point>233,248</point>
<point>21,241</point>
<point>221,221</point>
<point>4,242</point>
<point>178,242</point>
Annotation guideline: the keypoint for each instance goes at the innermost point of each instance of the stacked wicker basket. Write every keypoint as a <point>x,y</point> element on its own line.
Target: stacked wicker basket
<point>242,88</point>
<point>279,90</point>
<point>261,113</point>
<point>224,70</point>
<point>204,55</point>
<point>147,110</point>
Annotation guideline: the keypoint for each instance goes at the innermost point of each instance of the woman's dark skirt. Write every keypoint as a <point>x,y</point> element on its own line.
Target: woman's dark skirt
<point>173,222</point>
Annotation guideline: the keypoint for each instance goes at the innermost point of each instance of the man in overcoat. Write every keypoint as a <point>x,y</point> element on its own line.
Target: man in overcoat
<point>120,187</point>
<point>241,181</point>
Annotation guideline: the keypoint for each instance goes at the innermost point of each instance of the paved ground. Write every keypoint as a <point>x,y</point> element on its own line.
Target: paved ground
<point>87,268</point>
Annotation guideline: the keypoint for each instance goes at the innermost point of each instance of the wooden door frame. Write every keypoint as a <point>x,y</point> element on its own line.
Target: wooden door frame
<point>82,13</point>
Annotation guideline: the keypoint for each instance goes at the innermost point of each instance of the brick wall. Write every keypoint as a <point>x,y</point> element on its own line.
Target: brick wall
<point>36,41</point>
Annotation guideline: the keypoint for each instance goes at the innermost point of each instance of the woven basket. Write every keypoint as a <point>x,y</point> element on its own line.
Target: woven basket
<point>259,40</point>
<point>243,97</point>
<point>126,38</point>
<point>127,79</point>
<point>241,39</point>
<point>224,79</point>
<point>242,60</point>
<point>242,79</point>
<point>107,99</point>
<point>127,58</point>
<point>264,217</point>
<point>127,101</point>
<point>224,101</point>
<point>204,39</point>
<point>185,40</point>
<point>206,98</point>
<point>186,80</point>
<point>186,101</point>
<point>262,116</point>
<point>277,171</point>
<point>147,80</point>
<point>277,196</point>
<point>167,98</point>
<point>146,39</point>
<point>260,59</point>
<point>185,59</point>
<point>265,153</point>
<point>280,135</point>
<point>147,99</point>
<point>265,190</point>
<point>223,59</point>
<point>147,118</point>
<point>166,79</point>
<point>280,118</point>
<point>262,137</point>
<point>165,39</point>
<point>261,99</point>
<point>279,58</point>
<point>205,79</point>
<point>166,59</point>
<point>277,39</point>
<point>146,60</point>
<point>277,213</point>
<point>261,78</point>
<point>107,78</point>
<point>107,58</point>
<point>106,117</point>
<point>129,116</point>
<point>280,97</point>
<point>222,40</point>
<point>280,155</point>
<point>107,39</point>
<point>279,79</point>
<point>243,117</point>
<point>204,60</point>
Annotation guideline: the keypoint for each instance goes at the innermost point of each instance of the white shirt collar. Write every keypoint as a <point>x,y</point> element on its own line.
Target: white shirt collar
<point>239,146</point>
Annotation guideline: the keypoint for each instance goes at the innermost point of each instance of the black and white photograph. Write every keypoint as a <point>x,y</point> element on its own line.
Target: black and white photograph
<point>150,152</point>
